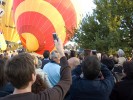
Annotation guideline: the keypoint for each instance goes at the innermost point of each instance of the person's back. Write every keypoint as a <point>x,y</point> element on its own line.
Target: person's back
<point>46,58</point>
<point>43,74</point>
<point>123,90</point>
<point>24,76</point>
<point>53,71</point>
<point>5,87</point>
<point>90,87</point>
<point>53,68</point>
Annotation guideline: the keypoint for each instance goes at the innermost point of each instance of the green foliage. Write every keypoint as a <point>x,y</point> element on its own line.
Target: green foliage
<point>110,26</point>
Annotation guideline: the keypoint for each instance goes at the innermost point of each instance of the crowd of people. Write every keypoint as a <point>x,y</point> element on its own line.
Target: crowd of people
<point>62,76</point>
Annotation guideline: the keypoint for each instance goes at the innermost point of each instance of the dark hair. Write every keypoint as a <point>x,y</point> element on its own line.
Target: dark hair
<point>19,70</point>
<point>2,73</point>
<point>91,67</point>
<point>72,53</point>
<point>128,68</point>
<point>67,56</point>
<point>1,56</point>
<point>104,56</point>
<point>39,85</point>
<point>87,53</point>
<point>94,52</point>
<point>108,62</point>
<point>46,54</point>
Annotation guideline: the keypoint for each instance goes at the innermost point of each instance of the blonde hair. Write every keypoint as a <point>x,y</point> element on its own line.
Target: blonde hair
<point>35,60</point>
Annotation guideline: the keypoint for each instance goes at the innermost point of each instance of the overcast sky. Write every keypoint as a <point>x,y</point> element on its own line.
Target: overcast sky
<point>87,6</point>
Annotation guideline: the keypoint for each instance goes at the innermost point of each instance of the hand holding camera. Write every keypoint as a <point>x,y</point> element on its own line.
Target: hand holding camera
<point>58,45</point>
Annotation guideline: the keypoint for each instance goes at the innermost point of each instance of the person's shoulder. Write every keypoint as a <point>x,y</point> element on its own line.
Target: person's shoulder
<point>54,64</point>
<point>48,64</point>
<point>23,96</point>
<point>6,98</point>
<point>76,78</point>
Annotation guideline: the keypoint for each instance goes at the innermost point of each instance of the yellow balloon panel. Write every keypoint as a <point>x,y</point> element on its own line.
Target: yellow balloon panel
<point>6,21</point>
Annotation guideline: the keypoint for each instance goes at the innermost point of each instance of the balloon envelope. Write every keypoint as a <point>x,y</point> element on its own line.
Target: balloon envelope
<point>36,20</point>
<point>6,21</point>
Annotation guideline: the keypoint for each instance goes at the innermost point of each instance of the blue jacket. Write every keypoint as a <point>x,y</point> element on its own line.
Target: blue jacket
<point>53,71</point>
<point>6,90</point>
<point>84,89</point>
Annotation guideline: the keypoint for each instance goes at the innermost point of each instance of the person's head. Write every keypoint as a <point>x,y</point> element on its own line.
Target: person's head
<point>1,56</point>
<point>2,73</point>
<point>67,56</point>
<point>46,54</point>
<point>108,62</point>
<point>120,53</point>
<point>55,56</point>
<point>35,59</point>
<point>115,59</point>
<point>72,53</point>
<point>73,62</point>
<point>94,52</point>
<point>128,69</point>
<point>91,67</point>
<point>39,85</point>
<point>39,65</point>
<point>104,56</point>
<point>20,70</point>
<point>87,52</point>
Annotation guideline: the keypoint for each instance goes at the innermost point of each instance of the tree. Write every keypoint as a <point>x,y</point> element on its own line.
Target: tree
<point>109,27</point>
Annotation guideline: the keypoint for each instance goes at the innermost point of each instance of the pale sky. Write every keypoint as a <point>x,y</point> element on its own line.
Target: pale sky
<point>86,6</point>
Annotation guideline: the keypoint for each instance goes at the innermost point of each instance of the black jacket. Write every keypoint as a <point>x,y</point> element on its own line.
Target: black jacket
<point>84,89</point>
<point>123,90</point>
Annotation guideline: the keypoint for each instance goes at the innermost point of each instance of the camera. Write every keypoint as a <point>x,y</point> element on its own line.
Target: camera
<point>55,37</point>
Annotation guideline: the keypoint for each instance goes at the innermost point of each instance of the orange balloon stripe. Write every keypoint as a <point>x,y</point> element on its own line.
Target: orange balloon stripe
<point>58,23</point>
<point>45,38</point>
<point>69,15</point>
<point>39,34</point>
<point>51,23</point>
<point>62,7</point>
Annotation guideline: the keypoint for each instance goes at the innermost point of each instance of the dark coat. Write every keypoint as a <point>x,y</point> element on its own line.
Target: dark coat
<point>44,62</point>
<point>123,90</point>
<point>6,90</point>
<point>56,93</point>
<point>84,89</point>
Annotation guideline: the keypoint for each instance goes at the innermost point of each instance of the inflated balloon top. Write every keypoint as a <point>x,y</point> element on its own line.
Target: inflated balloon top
<point>6,21</point>
<point>36,20</point>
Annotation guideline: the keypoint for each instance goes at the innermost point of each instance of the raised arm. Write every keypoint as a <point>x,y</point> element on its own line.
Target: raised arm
<point>108,77</point>
<point>59,91</point>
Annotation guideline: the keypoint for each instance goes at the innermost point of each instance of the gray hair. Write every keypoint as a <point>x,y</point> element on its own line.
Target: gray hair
<point>54,54</point>
<point>120,53</point>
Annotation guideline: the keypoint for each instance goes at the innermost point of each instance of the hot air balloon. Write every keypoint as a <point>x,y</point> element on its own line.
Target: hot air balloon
<point>6,21</point>
<point>36,20</point>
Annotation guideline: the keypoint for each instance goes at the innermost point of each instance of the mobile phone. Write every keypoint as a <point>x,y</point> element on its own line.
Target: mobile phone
<point>55,37</point>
